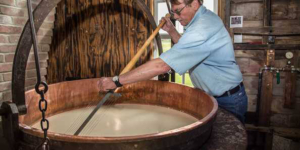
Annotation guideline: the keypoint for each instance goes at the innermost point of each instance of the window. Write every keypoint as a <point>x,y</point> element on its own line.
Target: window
<point>160,10</point>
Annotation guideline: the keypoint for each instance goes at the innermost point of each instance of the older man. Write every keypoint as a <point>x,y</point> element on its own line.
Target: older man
<point>205,49</point>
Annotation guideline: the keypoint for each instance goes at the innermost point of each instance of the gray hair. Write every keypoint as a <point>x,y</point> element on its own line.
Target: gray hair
<point>187,2</point>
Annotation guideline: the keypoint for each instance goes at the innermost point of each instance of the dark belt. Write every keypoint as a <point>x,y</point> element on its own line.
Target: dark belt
<point>232,91</point>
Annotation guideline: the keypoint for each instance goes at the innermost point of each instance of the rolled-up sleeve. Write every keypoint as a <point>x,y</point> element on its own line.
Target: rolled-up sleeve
<point>188,52</point>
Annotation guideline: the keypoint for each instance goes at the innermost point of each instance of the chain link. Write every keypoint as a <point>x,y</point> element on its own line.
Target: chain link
<point>39,91</point>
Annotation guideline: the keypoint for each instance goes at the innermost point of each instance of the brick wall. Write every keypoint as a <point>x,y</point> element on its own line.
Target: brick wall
<point>13,16</point>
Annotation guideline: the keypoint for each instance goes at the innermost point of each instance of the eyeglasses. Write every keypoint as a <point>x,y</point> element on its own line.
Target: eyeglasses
<point>178,11</point>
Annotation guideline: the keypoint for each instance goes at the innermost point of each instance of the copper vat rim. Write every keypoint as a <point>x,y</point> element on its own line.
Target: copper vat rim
<point>94,139</point>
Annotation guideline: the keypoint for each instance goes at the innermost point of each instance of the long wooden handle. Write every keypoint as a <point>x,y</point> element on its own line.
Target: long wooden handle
<point>126,69</point>
<point>142,50</point>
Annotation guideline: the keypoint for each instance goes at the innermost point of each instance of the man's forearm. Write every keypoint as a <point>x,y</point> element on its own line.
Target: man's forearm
<point>145,72</point>
<point>175,36</point>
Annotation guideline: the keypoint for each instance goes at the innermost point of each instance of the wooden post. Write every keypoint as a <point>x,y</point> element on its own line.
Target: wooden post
<point>267,13</point>
<point>227,14</point>
<point>266,99</point>
<point>267,83</point>
<point>290,89</point>
<point>267,88</point>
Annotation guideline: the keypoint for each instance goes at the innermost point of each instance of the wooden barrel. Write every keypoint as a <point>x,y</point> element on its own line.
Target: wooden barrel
<point>71,95</point>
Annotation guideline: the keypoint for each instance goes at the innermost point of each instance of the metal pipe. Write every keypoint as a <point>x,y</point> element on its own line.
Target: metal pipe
<point>258,94</point>
<point>292,69</point>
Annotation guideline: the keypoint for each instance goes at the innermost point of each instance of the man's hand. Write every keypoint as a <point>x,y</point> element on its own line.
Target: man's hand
<point>105,84</point>
<point>168,26</point>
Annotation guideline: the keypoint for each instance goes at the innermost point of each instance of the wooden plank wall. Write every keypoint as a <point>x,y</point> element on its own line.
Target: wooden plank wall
<point>95,38</point>
<point>286,14</point>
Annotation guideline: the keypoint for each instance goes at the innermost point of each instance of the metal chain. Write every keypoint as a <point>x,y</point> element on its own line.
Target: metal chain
<point>43,104</point>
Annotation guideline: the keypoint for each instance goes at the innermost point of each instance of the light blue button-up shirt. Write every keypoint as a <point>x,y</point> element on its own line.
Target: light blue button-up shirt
<point>206,50</point>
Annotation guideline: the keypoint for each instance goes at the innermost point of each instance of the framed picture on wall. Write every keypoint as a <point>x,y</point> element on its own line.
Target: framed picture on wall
<point>236,21</point>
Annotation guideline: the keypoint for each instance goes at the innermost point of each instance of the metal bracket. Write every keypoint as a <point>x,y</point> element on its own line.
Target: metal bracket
<point>10,120</point>
<point>270,60</point>
<point>271,39</point>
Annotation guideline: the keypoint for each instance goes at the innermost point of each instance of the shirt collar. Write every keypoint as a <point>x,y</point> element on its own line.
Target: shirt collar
<point>199,13</point>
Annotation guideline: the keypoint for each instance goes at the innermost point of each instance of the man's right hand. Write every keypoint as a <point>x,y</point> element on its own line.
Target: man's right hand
<point>168,26</point>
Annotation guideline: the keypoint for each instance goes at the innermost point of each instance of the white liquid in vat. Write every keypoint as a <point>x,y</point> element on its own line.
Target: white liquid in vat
<point>120,120</point>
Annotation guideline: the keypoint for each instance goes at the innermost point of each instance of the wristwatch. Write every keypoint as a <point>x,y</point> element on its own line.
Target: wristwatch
<point>116,80</point>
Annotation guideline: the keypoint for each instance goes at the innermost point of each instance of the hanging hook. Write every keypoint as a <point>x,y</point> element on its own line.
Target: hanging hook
<point>44,145</point>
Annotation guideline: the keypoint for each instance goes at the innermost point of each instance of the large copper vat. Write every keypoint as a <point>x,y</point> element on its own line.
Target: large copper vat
<point>77,94</point>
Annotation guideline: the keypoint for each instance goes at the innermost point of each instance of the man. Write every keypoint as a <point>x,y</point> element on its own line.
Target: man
<point>205,49</point>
